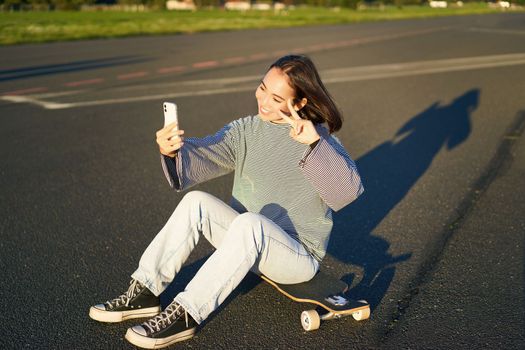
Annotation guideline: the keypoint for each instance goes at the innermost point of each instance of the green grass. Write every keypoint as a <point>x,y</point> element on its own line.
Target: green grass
<point>34,27</point>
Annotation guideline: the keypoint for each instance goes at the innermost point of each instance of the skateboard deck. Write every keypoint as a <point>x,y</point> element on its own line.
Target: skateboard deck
<point>326,292</point>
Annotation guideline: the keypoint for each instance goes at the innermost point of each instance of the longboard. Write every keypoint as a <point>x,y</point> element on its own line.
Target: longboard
<point>326,292</point>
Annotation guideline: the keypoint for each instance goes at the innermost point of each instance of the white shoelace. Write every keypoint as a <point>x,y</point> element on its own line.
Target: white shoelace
<point>171,314</point>
<point>127,296</point>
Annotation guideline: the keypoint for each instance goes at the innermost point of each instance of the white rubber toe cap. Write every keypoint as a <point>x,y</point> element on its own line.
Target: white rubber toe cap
<point>100,307</point>
<point>139,330</point>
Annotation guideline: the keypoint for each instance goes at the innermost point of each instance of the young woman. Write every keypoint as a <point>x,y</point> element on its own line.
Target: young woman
<point>290,174</point>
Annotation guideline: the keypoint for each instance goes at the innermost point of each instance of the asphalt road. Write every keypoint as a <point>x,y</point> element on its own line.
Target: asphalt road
<point>434,112</point>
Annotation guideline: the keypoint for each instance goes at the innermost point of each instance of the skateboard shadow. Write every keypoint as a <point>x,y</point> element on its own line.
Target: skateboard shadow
<point>388,172</point>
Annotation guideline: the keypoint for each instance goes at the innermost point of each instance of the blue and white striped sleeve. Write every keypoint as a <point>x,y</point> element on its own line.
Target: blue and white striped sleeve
<point>332,173</point>
<point>202,159</point>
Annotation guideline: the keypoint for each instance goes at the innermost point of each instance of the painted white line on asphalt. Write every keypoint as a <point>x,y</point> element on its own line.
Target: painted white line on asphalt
<point>35,101</point>
<point>422,71</point>
<point>57,94</point>
<point>216,86</point>
<point>421,67</point>
<point>201,82</point>
<point>497,31</point>
<point>58,105</point>
<point>25,91</point>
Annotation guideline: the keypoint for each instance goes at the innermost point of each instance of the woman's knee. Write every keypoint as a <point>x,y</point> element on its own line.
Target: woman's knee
<point>248,219</point>
<point>248,225</point>
<point>195,196</point>
<point>192,201</point>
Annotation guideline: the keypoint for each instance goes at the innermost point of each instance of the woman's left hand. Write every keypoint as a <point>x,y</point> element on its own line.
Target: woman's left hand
<point>302,130</point>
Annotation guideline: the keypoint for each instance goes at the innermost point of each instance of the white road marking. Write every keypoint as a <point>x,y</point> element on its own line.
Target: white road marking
<point>201,82</point>
<point>32,100</point>
<point>217,86</point>
<point>422,67</point>
<point>27,91</point>
<point>57,94</point>
<point>58,105</point>
<point>497,31</point>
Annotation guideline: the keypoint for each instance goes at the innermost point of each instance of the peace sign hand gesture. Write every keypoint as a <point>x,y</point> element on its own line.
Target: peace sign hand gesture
<point>302,130</point>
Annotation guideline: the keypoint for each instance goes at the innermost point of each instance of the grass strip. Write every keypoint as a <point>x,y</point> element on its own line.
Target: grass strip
<point>36,27</point>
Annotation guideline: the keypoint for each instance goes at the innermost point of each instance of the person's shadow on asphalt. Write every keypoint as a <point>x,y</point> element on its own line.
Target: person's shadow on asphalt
<point>388,172</point>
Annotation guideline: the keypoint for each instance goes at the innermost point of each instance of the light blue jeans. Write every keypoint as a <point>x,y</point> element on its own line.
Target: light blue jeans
<point>243,242</point>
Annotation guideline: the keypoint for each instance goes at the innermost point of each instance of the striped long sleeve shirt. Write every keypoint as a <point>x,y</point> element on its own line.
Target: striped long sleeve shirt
<point>294,185</point>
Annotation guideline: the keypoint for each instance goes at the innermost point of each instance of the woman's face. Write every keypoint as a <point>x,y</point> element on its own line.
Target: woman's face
<point>272,94</point>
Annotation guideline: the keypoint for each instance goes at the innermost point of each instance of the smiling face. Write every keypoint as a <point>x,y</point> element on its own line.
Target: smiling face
<point>272,94</point>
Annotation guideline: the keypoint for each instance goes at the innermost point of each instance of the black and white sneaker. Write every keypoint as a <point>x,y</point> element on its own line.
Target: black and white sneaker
<point>137,302</point>
<point>173,325</point>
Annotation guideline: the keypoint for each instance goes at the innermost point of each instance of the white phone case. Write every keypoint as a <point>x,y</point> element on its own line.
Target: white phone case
<point>170,113</point>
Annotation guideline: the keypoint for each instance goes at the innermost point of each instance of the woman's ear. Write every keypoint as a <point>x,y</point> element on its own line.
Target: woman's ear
<point>299,105</point>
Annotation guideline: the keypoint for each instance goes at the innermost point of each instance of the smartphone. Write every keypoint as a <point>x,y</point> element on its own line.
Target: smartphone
<point>170,113</point>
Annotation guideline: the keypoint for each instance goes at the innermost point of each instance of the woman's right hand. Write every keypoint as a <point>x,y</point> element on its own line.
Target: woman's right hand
<point>170,139</point>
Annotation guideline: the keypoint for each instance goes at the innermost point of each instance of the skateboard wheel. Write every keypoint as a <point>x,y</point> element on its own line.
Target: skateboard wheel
<point>362,314</point>
<point>310,320</point>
